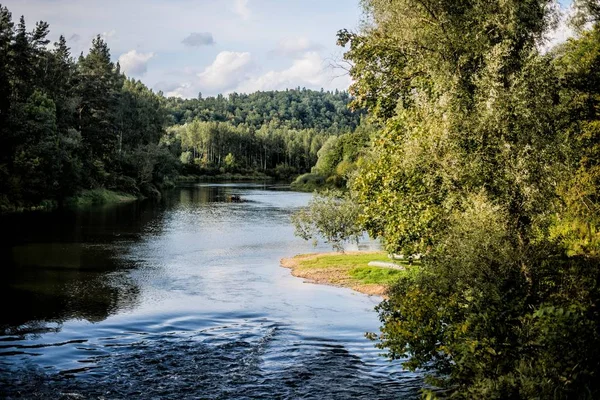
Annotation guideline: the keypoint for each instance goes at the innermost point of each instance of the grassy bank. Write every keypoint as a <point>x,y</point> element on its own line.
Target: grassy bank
<point>93,197</point>
<point>349,270</point>
<point>82,199</point>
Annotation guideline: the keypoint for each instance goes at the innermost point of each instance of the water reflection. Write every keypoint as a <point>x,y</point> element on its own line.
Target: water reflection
<point>66,265</point>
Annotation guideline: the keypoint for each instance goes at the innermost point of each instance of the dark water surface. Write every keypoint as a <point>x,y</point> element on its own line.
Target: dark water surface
<point>182,299</point>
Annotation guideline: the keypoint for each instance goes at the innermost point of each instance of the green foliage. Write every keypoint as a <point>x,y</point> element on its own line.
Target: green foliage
<point>331,216</point>
<point>578,63</point>
<point>338,157</point>
<point>308,182</point>
<point>270,146</point>
<point>486,161</point>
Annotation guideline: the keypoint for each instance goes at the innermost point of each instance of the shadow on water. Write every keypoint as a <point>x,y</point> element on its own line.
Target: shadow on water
<point>64,265</point>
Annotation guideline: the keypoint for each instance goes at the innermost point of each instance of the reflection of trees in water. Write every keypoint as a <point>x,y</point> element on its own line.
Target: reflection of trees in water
<point>70,264</point>
<point>65,265</point>
<point>57,294</point>
<point>194,195</point>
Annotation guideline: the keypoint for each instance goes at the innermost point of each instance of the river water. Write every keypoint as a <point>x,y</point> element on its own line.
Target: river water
<point>181,299</point>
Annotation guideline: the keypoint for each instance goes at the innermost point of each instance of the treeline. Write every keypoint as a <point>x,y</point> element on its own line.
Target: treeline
<point>68,125</point>
<point>286,151</point>
<point>276,132</point>
<point>293,108</point>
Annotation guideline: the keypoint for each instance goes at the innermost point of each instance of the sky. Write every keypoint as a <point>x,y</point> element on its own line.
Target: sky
<point>183,47</point>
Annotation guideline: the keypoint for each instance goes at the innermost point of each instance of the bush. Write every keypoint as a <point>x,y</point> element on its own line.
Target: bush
<point>308,182</point>
<point>494,322</point>
<point>330,216</point>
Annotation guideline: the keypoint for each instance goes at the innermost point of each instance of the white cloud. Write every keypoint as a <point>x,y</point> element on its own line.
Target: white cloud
<point>295,46</point>
<point>563,31</point>
<point>198,39</point>
<point>226,72</point>
<point>109,34</point>
<point>134,63</point>
<point>166,87</point>
<point>240,7</point>
<point>309,71</point>
<point>232,71</point>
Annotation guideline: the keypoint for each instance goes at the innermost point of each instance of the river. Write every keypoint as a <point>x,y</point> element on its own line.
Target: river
<point>181,299</point>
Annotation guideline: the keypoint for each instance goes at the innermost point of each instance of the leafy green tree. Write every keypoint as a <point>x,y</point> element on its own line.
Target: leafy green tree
<point>331,216</point>
<point>230,162</point>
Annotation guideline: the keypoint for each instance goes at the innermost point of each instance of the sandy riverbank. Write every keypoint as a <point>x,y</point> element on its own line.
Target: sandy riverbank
<point>349,270</point>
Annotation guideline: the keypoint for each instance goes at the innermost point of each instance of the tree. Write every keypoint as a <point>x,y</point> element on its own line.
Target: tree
<point>98,87</point>
<point>230,162</point>
<point>331,216</point>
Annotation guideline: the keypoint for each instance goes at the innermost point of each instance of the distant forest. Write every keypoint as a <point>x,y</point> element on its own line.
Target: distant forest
<point>294,108</point>
<point>72,124</point>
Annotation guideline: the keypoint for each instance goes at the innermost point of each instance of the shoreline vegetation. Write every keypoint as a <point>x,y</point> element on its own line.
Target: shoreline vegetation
<point>82,199</point>
<point>93,197</point>
<point>257,176</point>
<point>103,196</point>
<point>349,270</point>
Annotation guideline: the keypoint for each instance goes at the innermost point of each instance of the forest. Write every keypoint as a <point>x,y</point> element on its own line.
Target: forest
<point>486,163</point>
<point>70,125</point>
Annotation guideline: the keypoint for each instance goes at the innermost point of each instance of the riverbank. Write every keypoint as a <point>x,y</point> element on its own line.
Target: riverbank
<point>226,177</point>
<point>82,199</point>
<point>350,270</point>
<point>94,197</point>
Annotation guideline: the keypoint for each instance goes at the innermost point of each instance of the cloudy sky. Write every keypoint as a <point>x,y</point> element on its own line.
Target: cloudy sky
<point>183,47</point>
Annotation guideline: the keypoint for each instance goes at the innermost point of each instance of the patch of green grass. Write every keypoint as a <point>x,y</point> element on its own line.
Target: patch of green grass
<point>376,275</point>
<point>357,268</point>
<point>350,260</point>
<point>343,260</point>
<point>93,197</point>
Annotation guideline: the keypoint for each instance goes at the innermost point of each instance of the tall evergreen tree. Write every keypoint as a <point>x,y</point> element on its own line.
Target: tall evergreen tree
<point>98,88</point>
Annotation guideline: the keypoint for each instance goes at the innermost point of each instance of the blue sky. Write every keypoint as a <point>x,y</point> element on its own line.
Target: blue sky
<point>183,47</point>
